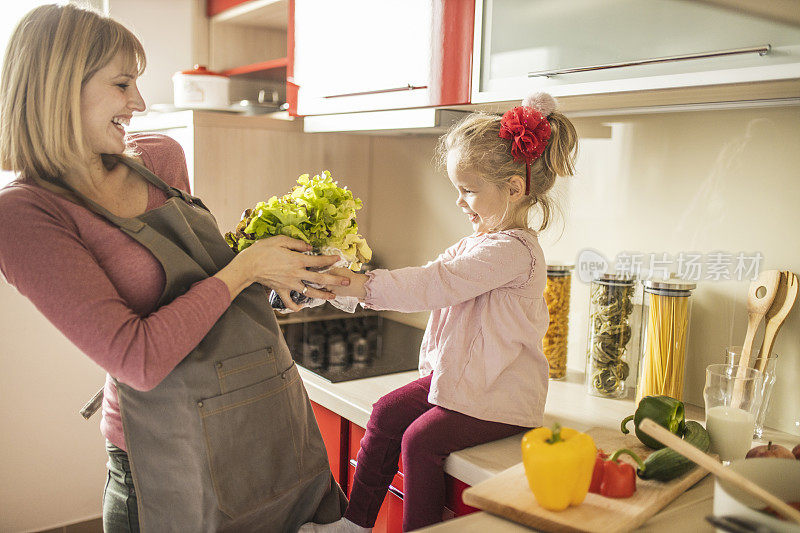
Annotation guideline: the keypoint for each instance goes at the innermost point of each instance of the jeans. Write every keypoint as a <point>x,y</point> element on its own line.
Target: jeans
<point>120,513</point>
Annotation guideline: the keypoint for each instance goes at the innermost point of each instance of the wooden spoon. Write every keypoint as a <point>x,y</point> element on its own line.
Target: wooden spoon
<point>784,300</point>
<point>715,467</point>
<point>757,307</point>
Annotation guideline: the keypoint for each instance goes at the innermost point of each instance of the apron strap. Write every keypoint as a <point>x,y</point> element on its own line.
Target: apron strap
<point>130,224</point>
<point>170,191</point>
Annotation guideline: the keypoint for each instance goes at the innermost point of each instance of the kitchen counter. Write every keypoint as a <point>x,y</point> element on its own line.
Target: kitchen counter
<point>567,402</point>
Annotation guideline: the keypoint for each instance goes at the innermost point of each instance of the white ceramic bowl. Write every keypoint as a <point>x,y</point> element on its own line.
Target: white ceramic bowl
<point>781,477</point>
<point>201,89</point>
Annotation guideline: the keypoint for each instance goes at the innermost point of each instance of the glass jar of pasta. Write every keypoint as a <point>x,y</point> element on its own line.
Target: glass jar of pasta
<point>666,306</point>
<point>610,335</point>
<point>556,295</point>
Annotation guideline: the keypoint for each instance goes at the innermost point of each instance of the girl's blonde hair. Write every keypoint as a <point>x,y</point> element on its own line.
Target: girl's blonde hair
<point>52,53</point>
<point>481,150</point>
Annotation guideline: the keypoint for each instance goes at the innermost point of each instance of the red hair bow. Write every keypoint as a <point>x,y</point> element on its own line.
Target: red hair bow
<point>529,132</point>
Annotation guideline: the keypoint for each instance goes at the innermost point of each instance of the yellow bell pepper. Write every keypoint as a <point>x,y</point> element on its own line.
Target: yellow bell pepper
<point>559,465</point>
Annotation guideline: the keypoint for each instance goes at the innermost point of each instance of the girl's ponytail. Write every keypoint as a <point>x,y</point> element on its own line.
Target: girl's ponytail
<point>559,155</point>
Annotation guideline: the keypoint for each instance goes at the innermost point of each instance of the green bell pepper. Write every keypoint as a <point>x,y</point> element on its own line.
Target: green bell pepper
<point>665,411</point>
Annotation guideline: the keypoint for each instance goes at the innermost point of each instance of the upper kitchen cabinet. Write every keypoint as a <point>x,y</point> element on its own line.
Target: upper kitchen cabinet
<point>366,55</point>
<point>629,53</point>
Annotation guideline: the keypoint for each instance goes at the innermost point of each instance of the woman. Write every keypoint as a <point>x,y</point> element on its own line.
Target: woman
<point>207,422</point>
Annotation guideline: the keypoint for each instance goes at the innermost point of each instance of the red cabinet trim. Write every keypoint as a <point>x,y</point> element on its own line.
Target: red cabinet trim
<point>291,87</point>
<point>214,7</point>
<point>335,433</point>
<point>453,23</point>
<point>272,69</point>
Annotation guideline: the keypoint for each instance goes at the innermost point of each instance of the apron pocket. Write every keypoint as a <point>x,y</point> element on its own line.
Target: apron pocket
<point>261,442</point>
<point>246,369</point>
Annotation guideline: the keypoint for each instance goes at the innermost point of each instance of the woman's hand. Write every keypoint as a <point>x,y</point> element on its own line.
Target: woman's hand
<point>354,288</point>
<point>278,263</point>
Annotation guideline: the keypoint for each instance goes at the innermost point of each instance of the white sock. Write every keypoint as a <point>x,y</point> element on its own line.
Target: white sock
<point>343,525</point>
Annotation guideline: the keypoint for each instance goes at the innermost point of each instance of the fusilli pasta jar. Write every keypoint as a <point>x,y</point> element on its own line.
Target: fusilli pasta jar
<point>666,306</point>
<point>556,295</point>
<point>610,336</point>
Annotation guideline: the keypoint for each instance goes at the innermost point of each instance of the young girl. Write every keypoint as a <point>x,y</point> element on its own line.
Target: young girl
<point>485,376</point>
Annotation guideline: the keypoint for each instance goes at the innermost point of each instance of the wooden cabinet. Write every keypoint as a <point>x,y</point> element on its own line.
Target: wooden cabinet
<point>595,47</point>
<point>361,55</point>
<point>235,161</point>
<point>250,42</point>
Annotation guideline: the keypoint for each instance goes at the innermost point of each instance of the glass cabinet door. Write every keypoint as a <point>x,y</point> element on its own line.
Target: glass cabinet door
<point>599,46</point>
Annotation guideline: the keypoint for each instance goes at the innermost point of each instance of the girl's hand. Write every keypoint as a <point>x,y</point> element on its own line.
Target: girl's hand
<point>278,263</point>
<point>354,288</point>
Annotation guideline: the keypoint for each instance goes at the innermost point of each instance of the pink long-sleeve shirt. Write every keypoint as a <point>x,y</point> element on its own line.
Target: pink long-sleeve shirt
<point>99,287</point>
<point>483,342</point>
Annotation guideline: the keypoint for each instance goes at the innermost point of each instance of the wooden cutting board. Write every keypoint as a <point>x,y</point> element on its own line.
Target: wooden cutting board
<point>508,495</point>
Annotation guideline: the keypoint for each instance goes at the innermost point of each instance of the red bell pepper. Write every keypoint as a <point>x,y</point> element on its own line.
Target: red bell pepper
<point>597,473</point>
<point>612,478</point>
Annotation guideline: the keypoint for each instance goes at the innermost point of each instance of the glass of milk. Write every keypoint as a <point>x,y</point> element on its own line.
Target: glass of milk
<point>732,355</point>
<point>732,405</point>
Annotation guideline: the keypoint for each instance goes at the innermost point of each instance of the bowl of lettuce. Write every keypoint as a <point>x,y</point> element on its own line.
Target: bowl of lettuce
<point>316,211</point>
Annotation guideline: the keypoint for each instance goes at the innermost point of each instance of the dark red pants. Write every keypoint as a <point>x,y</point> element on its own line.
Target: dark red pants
<point>404,422</point>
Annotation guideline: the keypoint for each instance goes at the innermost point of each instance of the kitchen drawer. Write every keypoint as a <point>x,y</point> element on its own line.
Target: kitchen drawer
<point>334,434</point>
<point>453,501</point>
<point>390,516</point>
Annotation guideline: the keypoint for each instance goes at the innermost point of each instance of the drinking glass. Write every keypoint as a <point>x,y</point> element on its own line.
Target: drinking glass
<point>732,355</point>
<point>732,404</point>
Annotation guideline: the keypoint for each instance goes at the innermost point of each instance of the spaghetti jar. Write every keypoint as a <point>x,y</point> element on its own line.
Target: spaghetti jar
<point>556,295</point>
<point>610,335</point>
<point>666,307</point>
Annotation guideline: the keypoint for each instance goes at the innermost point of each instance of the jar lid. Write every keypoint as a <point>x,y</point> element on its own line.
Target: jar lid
<point>669,284</point>
<point>607,278</point>
<point>560,269</point>
<point>201,70</point>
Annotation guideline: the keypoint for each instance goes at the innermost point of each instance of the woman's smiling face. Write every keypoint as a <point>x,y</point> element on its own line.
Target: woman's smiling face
<point>108,100</point>
<point>484,204</point>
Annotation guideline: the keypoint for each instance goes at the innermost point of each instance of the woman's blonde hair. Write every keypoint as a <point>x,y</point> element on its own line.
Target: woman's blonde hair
<point>481,150</point>
<point>52,53</point>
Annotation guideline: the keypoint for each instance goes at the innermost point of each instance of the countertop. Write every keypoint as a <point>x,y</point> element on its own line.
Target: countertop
<point>567,402</point>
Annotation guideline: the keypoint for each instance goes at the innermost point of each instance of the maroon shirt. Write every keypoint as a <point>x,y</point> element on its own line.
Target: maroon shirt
<point>99,287</point>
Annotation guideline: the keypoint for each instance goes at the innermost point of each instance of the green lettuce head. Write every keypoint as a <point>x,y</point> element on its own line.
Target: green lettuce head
<point>316,211</point>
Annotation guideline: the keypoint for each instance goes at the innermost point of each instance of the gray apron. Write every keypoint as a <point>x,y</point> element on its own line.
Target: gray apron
<point>228,440</point>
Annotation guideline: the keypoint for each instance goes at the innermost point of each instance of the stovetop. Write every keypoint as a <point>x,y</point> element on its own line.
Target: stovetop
<point>355,348</point>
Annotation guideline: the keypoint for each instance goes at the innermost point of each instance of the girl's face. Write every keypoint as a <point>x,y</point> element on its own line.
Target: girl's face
<point>108,101</point>
<point>484,203</point>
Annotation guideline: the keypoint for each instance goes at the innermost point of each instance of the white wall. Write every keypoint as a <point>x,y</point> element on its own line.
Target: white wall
<point>52,470</point>
<point>165,30</point>
<point>692,182</point>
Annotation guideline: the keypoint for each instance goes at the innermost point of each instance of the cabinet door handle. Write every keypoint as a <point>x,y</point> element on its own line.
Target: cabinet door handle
<point>396,492</point>
<point>409,87</point>
<point>353,463</point>
<point>760,50</point>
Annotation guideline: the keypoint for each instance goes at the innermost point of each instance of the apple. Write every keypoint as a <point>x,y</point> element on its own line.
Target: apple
<point>770,450</point>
